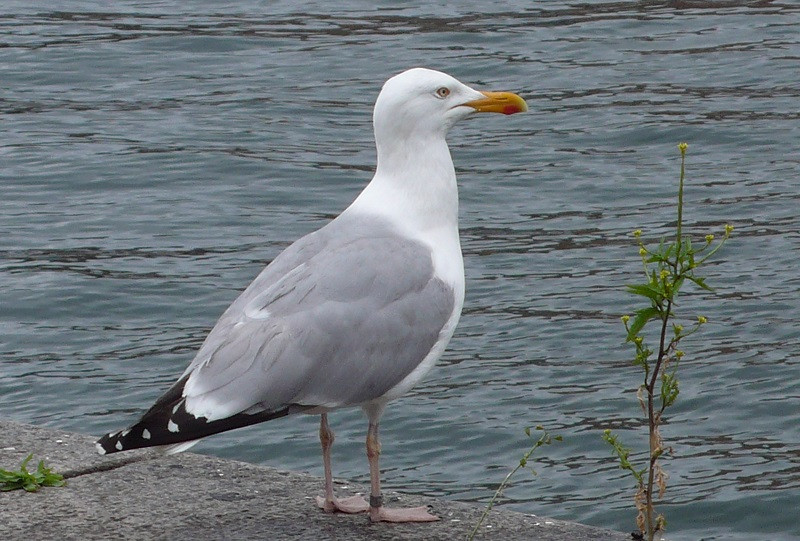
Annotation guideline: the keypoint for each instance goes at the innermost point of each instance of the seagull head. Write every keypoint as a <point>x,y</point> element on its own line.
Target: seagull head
<point>422,103</point>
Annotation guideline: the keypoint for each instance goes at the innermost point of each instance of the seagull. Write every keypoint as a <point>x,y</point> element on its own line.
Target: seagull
<point>353,314</point>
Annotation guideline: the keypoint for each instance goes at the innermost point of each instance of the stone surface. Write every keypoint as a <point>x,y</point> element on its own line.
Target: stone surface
<point>146,495</point>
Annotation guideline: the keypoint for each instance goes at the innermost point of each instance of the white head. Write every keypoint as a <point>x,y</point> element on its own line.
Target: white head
<point>415,181</point>
<point>422,103</point>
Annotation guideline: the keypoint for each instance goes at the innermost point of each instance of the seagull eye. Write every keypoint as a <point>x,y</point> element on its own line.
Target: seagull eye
<point>443,92</point>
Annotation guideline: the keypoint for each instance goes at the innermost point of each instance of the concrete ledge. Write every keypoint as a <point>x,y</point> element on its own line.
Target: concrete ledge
<point>145,495</point>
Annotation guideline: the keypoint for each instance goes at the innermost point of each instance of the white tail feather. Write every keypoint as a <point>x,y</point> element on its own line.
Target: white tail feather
<point>180,447</point>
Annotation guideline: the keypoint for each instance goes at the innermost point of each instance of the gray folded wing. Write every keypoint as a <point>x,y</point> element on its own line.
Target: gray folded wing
<point>339,318</point>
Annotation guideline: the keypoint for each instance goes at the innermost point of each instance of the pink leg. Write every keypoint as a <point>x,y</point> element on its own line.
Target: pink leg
<point>377,512</point>
<point>330,504</point>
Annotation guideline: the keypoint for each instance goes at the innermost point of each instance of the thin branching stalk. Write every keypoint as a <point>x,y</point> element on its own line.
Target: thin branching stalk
<point>666,268</point>
<point>544,439</point>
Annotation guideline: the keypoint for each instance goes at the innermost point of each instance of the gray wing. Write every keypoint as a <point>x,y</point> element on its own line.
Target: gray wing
<point>338,319</point>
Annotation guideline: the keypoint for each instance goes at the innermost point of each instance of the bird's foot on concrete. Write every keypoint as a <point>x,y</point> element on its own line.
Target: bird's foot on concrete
<point>408,514</point>
<point>353,504</point>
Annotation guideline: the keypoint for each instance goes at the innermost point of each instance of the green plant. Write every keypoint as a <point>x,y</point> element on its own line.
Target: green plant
<point>30,481</point>
<point>544,439</point>
<point>666,267</point>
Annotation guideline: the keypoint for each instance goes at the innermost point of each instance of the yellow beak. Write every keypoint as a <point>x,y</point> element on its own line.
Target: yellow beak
<point>507,103</point>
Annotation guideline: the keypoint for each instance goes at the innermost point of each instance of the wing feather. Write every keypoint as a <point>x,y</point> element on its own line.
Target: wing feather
<point>348,317</point>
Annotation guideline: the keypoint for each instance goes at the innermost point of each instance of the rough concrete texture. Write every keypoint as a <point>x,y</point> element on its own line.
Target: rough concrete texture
<point>145,495</point>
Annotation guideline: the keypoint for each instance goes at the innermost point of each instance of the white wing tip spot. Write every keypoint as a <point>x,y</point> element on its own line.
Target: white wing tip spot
<point>172,427</point>
<point>100,449</point>
<point>145,434</point>
<point>118,445</point>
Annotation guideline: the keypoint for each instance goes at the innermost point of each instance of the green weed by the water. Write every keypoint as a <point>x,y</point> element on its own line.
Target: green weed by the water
<point>544,439</point>
<point>667,267</point>
<point>30,481</point>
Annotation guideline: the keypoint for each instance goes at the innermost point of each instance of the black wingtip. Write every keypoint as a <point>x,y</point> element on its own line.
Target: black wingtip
<point>171,424</point>
<point>135,437</point>
<point>168,423</point>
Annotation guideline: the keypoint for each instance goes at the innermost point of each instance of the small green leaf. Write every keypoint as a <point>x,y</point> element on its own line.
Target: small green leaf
<point>686,249</point>
<point>29,481</point>
<point>646,290</point>
<point>642,317</point>
<point>701,282</point>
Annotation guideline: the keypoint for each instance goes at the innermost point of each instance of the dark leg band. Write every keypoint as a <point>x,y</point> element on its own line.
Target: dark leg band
<point>376,501</point>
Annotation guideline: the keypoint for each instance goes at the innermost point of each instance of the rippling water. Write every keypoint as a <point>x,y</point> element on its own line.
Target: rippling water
<point>154,156</point>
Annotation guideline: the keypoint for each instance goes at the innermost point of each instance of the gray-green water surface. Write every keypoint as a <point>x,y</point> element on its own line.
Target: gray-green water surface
<point>155,155</point>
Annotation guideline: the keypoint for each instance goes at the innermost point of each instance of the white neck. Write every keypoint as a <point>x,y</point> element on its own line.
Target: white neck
<point>414,186</point>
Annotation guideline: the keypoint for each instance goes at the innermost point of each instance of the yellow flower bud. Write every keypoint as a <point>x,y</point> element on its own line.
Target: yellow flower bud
<point>642,251</point>
<point>709,238</point>
<point>637,233</point>
<point>664,273</point>
<point>626,319</point>
<point>683,147</point>
<point>702,319</point>
<point>728,229</point>
<point>679,354</point>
